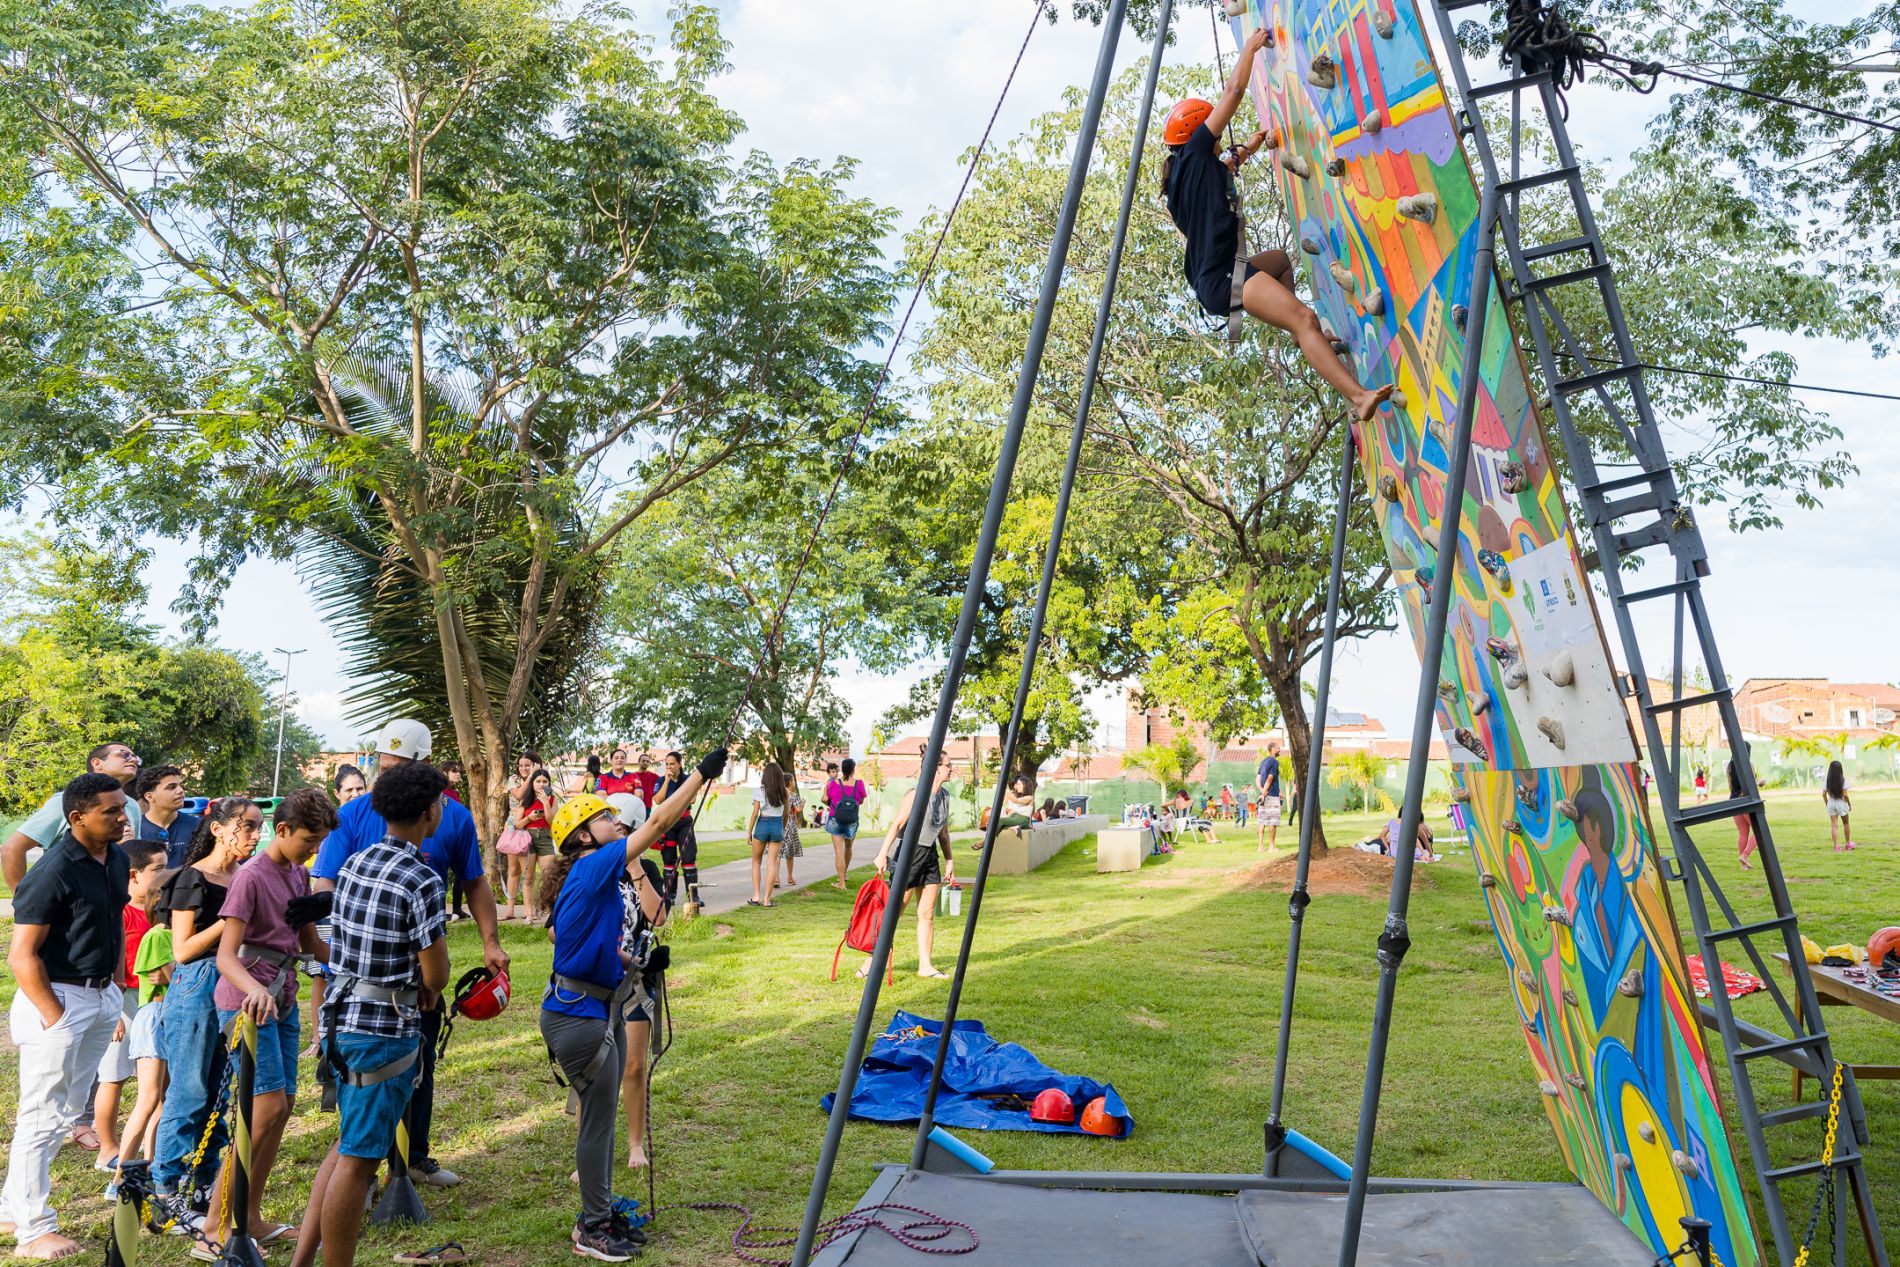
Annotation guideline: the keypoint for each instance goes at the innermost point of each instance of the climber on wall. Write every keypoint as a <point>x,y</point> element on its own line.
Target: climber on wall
<point>1198,183</point>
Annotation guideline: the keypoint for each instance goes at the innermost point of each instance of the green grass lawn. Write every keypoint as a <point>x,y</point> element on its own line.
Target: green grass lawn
<point>1165,982</point>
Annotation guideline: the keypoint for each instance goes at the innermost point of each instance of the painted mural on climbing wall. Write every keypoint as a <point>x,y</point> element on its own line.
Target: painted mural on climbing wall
<point>1384,206</point>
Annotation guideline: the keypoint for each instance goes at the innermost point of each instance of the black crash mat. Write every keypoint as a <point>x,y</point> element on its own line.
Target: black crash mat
<point>1484,1227</point>
<point>1056,1227</point>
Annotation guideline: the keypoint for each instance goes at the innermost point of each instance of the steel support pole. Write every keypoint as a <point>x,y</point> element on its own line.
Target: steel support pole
<point>1395,940</point>
<point>1309,804</point>
<point>966,619</point>
<point>1051,556</point>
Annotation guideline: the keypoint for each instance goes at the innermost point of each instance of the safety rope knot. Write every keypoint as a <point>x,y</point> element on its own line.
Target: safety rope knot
<point>1538,39</point>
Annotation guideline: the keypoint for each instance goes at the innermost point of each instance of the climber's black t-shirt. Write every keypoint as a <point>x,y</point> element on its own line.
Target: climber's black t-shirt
<point>1201,202</point>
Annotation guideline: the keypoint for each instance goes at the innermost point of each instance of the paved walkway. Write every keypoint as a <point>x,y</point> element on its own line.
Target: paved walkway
<point>726,887</point>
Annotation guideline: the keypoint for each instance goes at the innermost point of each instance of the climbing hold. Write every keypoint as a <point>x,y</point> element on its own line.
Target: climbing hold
<point>1624,1161</point>
<point>1440,432</point>
<point>1424,576</point>
<point>1527,978</point>
<point>1335,167</point>
<point>1469,741</point>
<point>1420,207</point>
<point>1236,8</point>
<point>1527,795</point>
<point>1562,669</point>
<point>1500,650</point>
<point>1513,826</point>
<point>1681,520</point>
<point>1341,347</point>
<point>1556,915</point>
<point>1551,729</point>
<point>1646,1132</point>
<point>1371,124</point>
<point>1375,303</point>
<point>1324,72</point>
<point>1389,487</point>
<point>1575,1080</point>
<point>1382,22</point>
<point>1487,880</point>
<point>1480,704</point>
<point>1570,997</point>
<point>1459,313</point>
<point>1550,1088</point>
<point>1449,691</point>
<point>1685,1163</point>
<point>1461,794</point>
<point>1343,276</point>
<point>1298,165</point>
<point>1568,808</point>
<point>1511,477</point>
<point>1309,246</point>
<point>1398,399</point>
<point>1515,675</point>
<point>1493,562</point>
<point>1631,986</point>
<point>1272,140</point>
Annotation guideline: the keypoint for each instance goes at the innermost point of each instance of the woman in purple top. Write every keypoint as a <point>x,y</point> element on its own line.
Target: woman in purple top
<point>844,797</point>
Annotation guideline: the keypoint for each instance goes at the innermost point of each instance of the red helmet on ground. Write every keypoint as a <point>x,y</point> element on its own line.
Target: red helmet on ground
<point>480,996</point>
<point>1097,1120</point>
<point>1881,944</point>
<point>1183,119</point>
<point>1053,1105</point>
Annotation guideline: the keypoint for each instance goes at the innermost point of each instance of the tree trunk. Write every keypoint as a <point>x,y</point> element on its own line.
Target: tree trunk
<point>1289,694</point>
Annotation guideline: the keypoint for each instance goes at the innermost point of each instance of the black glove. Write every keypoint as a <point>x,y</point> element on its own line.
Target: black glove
<point>713,764</point>
<point>659,959</point>
<point>651,871</point>
<point>310,909</point>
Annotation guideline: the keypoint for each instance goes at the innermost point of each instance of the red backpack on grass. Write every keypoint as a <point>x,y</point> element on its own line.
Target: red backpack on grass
<point>866,914</point>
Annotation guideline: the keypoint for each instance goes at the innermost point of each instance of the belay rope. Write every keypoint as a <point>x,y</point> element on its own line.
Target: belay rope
<point>919,1234</point>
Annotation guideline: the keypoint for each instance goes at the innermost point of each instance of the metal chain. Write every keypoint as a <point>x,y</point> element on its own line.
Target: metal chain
<point>1824,1190</point>
<point>177,1207</point>
<point>915,1235</point>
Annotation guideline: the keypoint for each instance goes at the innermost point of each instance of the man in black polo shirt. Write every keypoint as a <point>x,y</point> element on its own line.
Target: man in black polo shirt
<point>68,957</point>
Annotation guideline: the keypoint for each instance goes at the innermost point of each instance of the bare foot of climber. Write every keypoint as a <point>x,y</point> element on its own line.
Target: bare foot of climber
<point>1367,403</point>
<point>637,1159</point>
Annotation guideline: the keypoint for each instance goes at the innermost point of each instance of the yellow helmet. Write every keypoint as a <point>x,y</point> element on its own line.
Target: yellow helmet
<point>575,811</point>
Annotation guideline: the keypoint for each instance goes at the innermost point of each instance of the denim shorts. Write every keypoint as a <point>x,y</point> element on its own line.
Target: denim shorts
<point>145,1037</point>
<point>277,1045</point>
<point>835,828</point>
<point>368,1115</point>
<point>770,830</point>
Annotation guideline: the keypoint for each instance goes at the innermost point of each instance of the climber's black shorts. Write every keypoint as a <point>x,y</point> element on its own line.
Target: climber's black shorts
<point>1217,294</point>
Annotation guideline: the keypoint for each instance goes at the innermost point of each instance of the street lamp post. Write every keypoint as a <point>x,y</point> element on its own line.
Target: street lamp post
<point>283,711</point>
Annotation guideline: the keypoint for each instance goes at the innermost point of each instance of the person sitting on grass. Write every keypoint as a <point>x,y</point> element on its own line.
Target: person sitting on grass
<point>389,959</point>
<point>930,799</point>
<point>1198,185</point>
<point>257,963</point>
<point>583,1010</point>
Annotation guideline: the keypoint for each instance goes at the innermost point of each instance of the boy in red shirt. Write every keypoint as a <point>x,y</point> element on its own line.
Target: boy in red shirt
<point>116,1068</point>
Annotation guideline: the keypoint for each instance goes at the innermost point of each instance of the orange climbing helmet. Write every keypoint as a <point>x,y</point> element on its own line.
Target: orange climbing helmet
<point>1097,1120</point>
<point>1053,1105</point>
<point>1881,944</point>
<point>1184,118</point>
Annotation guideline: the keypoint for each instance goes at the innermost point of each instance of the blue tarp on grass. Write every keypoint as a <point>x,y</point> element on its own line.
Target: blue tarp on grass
<point>896,1075</point>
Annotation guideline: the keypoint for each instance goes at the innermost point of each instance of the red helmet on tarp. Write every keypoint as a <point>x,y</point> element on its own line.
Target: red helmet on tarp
<point>1097,1120</point>
<point>480,996</point>
<point>1053,1105</point>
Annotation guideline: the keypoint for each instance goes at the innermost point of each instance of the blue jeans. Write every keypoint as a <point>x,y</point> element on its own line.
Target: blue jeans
<point>769,830</point>
<point>193,1047</point>
<point>277,1046</point>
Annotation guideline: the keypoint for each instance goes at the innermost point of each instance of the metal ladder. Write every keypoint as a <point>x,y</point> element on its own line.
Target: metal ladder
<point>1627,514</point>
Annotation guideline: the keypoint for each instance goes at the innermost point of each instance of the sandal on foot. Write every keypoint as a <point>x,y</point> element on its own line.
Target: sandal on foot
<point>446,1252</point>
<point>85,1137</point>
<point>934,975</point>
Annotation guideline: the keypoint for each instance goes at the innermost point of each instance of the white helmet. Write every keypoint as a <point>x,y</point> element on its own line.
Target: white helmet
<point>628,808</point>
<point>406,738</point>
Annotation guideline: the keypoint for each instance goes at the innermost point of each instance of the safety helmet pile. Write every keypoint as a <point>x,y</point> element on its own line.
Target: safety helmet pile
<point>1097,1120</point>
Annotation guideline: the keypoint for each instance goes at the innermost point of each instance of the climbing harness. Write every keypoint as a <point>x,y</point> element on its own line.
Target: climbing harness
<point>920,1234</point>
<point>342,986</point>
<point>615,1001</point>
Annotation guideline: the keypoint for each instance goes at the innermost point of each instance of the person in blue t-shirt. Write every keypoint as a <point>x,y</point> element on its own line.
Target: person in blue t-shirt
<point>451,850</point>
<point>581,1013</point>
<point>1266,783</point>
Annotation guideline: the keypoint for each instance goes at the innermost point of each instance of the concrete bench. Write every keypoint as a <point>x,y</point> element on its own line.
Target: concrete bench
<point>1123,848</point>
<point>1020,850</point>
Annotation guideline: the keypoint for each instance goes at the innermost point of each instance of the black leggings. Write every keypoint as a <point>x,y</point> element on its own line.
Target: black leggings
<point>679,851</point>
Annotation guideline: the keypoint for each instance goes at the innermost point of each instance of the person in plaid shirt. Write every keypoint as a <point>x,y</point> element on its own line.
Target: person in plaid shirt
<point>389,960</point>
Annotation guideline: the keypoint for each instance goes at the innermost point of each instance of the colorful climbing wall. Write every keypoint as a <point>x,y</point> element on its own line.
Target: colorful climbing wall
<point>1384,205</point>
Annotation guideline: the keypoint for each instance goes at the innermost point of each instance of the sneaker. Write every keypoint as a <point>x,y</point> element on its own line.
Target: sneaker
<point>185,1220</point>
<point>436,1176</point>
<point>602,1241</point>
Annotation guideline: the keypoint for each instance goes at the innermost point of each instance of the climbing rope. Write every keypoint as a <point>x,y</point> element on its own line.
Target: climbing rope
<point>918,1235</point>
<point>883,378</point>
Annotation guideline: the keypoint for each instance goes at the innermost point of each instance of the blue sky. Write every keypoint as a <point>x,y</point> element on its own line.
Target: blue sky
<point>907,88</point>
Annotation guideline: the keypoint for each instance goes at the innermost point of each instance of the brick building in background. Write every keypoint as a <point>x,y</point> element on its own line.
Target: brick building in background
<point>1783,708</point>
